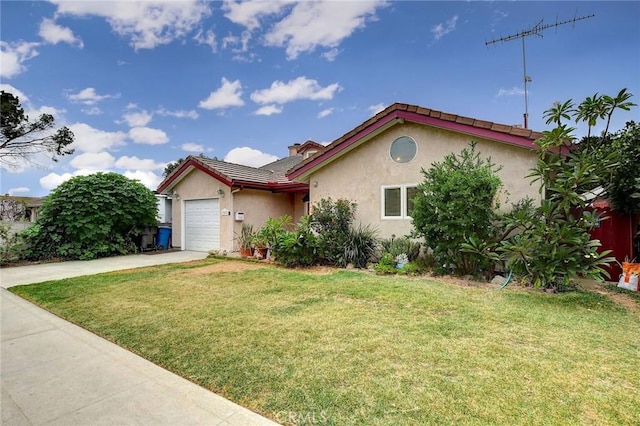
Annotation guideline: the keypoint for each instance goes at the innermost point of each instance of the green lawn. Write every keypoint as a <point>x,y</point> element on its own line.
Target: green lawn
<point>347,347</point>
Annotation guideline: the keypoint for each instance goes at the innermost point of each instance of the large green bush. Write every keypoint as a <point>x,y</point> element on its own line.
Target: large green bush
<point>457,200</point>
<point>331,220</point>
<point>91,216</point>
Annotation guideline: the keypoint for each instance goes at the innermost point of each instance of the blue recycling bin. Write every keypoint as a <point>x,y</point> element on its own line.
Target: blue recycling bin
<point>164,235</point>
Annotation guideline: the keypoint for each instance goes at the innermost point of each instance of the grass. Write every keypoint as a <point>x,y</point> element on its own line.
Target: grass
<point>351,348</point>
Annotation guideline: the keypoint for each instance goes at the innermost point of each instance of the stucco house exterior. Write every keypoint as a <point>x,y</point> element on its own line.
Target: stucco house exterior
<point>211,199</point>
<point>378,163</point>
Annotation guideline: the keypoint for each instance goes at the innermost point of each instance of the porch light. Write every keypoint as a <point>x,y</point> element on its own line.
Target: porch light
<point>175,195</point>
<point>221,192</point>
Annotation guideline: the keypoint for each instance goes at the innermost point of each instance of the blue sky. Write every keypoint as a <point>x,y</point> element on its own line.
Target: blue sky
<point>144,83</point>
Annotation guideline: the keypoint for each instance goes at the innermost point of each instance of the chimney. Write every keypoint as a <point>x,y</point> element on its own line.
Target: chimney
<point>293,149</point>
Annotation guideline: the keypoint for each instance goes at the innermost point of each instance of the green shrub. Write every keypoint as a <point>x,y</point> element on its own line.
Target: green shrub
<point>332,223</point>
<point>297,248</point>
<point>91,216</point>
<point>360,246</point>
<point>10,244</point>
<point>400,245</point>
<point>386,265</point>
<point>267,235</point>
<point>455,201</point>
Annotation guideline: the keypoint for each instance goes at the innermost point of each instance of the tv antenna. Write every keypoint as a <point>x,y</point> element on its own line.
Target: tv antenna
<point>537,30</point>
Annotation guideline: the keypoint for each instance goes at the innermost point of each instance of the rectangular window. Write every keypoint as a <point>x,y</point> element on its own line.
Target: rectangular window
<point>411,192</point>
<point>397,201</point>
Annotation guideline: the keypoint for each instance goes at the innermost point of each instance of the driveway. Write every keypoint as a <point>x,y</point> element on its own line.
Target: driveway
<point>59,270</point>
<point>56,373</point>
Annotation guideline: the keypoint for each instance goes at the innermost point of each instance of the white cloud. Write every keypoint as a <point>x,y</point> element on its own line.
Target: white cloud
<point>137,119</point>
<point>13,55</point>
<point>147,178</point>
<point>178,113</point>
<point>248,13</point>
<point>89,96</point>
<point>92,111</point>
<point>193,147</point>
<point>93,161</point>
<point>325,112</point>
<point>18,190</point>
<point>249,157</point>
<point>89,139</point>
<point>228,95</point>
<point>15,92</point>
<point>52,180</point>
<point>54,34</point>
<point>268,110</point>
<point>146,23</point>
<point>331,55</point>
<point>442,29</point>
<point>131,105</point>
<point>320,24</point>
<point>514,91</point>
<point>135,163</point>
<point>147,135</point>
<point>300,88</point>
<point>208,38</point>
<point>374,109</point>
<point>36,112</point>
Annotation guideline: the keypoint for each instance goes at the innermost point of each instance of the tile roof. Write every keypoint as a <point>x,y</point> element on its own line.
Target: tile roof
<point>405,112</point>
<point>271,176</point>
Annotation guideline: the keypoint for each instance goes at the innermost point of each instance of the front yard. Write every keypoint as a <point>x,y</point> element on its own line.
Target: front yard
<point>347,347</point>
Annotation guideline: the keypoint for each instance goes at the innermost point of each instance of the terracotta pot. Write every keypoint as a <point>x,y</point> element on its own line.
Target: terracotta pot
<point>246,252</point>
<point>262,251</point>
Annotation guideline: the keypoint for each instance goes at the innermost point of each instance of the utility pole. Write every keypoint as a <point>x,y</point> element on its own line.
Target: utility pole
<point>537,30</point>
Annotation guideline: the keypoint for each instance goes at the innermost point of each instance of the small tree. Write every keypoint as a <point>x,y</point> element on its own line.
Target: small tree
<point>553,244</point>
<point>22,139</point>
<point>617,158</point>
<point>91,216</point>
<point>457,201</point>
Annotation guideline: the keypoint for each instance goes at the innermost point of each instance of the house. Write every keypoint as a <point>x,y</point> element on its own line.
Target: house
<point>378,164</point>
<point>19,212</point>
<point>211,199</point>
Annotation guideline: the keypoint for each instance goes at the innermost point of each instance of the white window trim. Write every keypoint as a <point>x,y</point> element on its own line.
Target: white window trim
<point>403,201</point>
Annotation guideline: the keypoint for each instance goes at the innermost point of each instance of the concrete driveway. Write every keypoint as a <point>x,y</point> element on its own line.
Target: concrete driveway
<point>57,271</point>
<point>55,373</point>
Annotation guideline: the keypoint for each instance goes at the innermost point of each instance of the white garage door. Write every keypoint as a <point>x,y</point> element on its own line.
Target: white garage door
<point>202,225</point>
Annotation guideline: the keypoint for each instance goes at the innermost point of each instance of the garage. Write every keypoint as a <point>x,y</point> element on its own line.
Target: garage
<point>202,224</point>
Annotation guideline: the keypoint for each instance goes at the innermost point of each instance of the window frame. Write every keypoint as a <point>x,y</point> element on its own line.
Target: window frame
<point>404,204</point>
<point>415,144</point>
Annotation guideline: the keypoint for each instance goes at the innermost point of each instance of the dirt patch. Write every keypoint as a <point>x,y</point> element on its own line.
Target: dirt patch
<point>232,266</point>
<point>624,300</point>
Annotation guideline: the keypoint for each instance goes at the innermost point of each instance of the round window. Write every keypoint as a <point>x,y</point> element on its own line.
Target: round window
<point>403,149</point>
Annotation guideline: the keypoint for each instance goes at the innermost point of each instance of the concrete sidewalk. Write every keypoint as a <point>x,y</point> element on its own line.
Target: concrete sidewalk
<point>55,373</point>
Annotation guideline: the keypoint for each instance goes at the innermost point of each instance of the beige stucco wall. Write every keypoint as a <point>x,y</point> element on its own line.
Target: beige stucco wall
<point>360,174</point>
<point>256,205</point>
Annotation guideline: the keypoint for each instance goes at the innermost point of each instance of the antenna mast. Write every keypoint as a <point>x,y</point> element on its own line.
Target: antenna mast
<point>537,30</point>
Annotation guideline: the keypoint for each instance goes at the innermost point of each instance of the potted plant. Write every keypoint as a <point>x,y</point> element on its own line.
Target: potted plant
<point>261,244</point>
<point>245,240</point>
<point>268,234</point>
